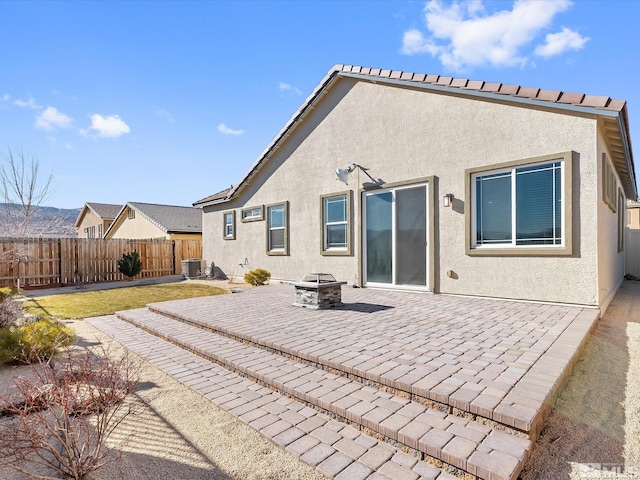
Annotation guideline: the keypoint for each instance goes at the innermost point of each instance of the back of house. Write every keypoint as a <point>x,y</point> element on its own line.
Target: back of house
<point>410,181</point>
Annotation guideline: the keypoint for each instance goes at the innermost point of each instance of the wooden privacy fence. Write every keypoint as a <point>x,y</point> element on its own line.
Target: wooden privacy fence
<point>62,261</point>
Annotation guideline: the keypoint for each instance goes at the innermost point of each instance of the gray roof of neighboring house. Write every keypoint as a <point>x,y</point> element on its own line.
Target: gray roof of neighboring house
<point>170,218</point>
<point>106,211</point>
<point>613,113</point>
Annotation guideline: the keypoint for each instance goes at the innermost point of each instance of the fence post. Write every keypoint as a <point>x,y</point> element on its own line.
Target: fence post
<point>173,256</point>
<point>60,261</point>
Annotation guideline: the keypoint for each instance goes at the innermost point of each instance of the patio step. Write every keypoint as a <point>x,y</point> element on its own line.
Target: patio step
<point>336,450</point>
<point>456,440</point>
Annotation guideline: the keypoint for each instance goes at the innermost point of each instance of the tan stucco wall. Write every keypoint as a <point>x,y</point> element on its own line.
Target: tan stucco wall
<point>91,219</point>
<point>401,134</point>
<point>138,227</point>
<point>185,236</point>
<point>633,218</point>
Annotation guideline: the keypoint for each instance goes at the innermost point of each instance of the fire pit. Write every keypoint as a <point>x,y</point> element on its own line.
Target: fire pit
<point>318,291</point>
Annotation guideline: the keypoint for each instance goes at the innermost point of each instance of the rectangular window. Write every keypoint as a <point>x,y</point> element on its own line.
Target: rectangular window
<point>335,224</point>
<point>131,214</point>
<point>100,231</point>
<point>277,229</point>
<point>609,184</point>
<point>521,206</point>
<point>252,214</point>
<point>91,232</point>
<point>229,224</point>
<point>621,212</point>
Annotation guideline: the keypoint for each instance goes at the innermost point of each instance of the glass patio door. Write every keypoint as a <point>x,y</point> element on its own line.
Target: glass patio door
<point>395,235</point>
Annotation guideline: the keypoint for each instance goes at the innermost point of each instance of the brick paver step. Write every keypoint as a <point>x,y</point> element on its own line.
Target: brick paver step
<point>502,360</point>
<point>337,450</point>
<point>455,440</point>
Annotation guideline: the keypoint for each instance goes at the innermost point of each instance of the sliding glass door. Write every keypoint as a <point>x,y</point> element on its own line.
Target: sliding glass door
<point>395,235</point>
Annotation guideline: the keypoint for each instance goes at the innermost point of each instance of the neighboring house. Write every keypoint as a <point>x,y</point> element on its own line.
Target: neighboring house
<point>633,215</point>
<point>95,219</point>
<point>460,187</point>
<point>149,220</point>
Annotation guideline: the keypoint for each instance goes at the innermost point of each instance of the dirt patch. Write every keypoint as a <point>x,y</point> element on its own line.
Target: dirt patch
<point>594,428</point>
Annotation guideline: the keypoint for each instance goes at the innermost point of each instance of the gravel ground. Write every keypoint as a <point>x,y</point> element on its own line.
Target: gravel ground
<point>595,425</point>
<point>178,434</point>
<point>594,429</point>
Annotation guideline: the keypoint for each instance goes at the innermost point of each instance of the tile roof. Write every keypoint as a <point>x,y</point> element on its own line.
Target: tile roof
<point>555,96</point>
<point>216,196</point>
<point>614,111</point>
<point>105,211</point>
<point>170,218</point>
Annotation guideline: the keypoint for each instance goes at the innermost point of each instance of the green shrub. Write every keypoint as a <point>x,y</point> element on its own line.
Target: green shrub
<point>34,342</point>
<point>7,292</point>
<point>257,277</point>
<point>130,264</point>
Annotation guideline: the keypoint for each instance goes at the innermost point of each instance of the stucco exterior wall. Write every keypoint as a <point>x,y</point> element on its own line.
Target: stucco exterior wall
<point>610,260</point>
<point>138,227</point>
<point>401,134</point>
<point>91,219</point>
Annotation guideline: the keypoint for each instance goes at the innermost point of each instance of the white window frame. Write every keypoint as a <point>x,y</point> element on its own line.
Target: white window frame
<point>285,249</point>
<point>229,225</point>
<point>511,248</point>
<point>252,214</point>
<point>325,248</point>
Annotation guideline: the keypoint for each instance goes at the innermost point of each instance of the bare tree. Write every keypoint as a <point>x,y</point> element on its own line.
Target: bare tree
<point>22,191</point>
<point>67,414</point>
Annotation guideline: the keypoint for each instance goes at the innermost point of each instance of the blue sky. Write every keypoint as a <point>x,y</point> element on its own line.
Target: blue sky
<point>169,102</point>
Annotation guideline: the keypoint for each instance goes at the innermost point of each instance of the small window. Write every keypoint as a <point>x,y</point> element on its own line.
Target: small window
<point>91,232</point>
<point>252,214</point>
<point>100,231</point>
<point>277,229</point>
<point>621,212</point>
<point>609,184</point>
<point>336,224</point>
<point>521,206</point>
<point>131,214</point>
<point>229,232</point>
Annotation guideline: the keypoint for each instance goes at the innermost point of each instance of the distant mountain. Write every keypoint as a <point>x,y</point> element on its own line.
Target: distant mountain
<point>46,221</point>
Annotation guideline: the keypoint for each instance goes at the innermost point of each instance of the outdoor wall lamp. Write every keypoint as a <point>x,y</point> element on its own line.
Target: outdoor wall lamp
<point>447,200</point>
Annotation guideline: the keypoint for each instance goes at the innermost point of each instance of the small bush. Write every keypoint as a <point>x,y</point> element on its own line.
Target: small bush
<point>257,277</point>
<point>10,311</point>
<point>34,342</point>
<point>130,264</point>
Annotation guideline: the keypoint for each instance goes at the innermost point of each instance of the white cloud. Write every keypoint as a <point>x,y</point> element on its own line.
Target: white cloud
<point>222,128</point>
<point>51,118</point>
<point>557,43</point>
<point>6,97</point>
<point>111,126</point>
<point>461,34</point>
<point>286,87</point>
<point>28,103</point>
<point>166,115</point>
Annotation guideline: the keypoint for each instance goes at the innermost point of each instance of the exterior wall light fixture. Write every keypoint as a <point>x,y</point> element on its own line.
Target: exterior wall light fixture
<point>447,200</point>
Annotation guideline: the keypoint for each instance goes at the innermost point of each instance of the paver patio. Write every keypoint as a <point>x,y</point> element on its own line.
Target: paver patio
<point>413,368</point>
<point>494,358</point>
